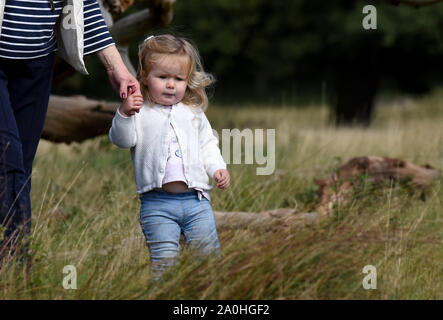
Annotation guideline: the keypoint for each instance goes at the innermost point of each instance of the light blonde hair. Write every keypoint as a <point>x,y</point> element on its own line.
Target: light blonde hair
<point>197,78</point>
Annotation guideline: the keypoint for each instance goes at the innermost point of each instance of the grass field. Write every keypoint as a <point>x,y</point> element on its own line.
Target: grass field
<point>86,211</point>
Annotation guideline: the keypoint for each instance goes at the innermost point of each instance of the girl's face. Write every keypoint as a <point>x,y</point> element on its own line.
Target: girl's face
<point>168,78</point>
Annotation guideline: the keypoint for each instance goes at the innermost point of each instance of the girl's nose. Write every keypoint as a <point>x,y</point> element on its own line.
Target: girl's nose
<point>170,83</point>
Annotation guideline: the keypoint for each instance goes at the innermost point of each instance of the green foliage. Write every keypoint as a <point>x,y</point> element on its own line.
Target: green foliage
<point>286,51</point>
<point>261,45</point>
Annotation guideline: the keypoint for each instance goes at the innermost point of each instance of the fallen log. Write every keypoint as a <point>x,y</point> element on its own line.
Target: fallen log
<point>280,218</point>
<point>284,217</point>
<point>378,171</point>
<point>76,118</point>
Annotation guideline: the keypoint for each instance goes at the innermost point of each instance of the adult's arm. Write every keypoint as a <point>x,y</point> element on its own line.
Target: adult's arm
<point>121,79</point>
<point>97,39</point>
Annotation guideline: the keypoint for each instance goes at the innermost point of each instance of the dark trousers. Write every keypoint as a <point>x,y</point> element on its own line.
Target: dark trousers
<point>25,87</point>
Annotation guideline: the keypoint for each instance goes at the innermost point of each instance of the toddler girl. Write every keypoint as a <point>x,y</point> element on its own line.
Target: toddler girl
<point>173,149</point>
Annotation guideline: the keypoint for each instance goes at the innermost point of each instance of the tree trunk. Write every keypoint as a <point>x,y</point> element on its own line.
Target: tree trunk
<point>356,84</point>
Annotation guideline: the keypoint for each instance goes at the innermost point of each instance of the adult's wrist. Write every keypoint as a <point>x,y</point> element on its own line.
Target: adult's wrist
<point>111,59</point>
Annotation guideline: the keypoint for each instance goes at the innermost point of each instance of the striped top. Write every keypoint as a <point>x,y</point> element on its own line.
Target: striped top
<point>28,28</point>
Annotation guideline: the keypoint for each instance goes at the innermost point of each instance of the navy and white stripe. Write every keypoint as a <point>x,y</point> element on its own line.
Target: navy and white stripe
<point>96,35</point>
<point>28,28</point>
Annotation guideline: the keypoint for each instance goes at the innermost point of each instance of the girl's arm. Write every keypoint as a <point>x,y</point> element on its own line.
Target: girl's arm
<point>211,155</point>
<point>123,132</point>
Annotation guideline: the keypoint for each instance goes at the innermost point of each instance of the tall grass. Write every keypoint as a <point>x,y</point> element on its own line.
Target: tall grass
<point>86,211</point>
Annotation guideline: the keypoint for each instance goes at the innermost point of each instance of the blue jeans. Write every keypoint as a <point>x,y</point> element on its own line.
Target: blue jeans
<point>164,216</point>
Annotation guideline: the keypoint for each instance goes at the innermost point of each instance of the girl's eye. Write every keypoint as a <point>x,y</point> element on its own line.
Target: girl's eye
<point>179,79</point>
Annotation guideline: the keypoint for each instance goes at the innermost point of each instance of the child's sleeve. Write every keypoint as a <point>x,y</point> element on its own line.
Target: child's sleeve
<point>211,155</point>
<point>122,132</point>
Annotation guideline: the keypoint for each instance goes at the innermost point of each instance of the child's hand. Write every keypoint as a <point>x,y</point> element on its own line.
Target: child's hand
<point>131,104</point>
<point>223,179</point>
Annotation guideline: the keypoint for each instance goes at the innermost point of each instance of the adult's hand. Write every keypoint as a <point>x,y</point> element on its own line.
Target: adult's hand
<point>120,78</point>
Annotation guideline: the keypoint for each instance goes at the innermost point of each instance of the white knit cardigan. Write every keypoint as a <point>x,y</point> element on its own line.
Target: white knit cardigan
<point>146,134</point>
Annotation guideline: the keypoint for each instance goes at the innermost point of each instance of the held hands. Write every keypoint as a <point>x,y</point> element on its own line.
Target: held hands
<point>223,179</point>
<point>122,81</point>
<point>131,104</point>
<point>120,78</point>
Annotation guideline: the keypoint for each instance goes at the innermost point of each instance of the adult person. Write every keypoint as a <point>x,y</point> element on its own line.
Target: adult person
<point>30,33</point>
